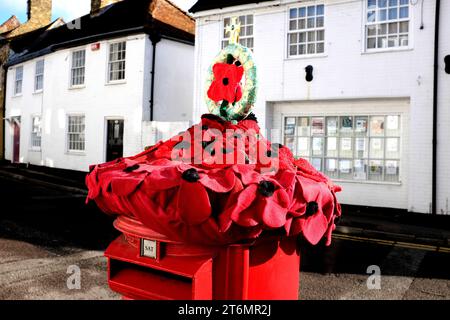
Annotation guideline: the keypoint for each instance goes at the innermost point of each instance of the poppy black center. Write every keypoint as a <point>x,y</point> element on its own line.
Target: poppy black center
<point>191,175</point>
<point>266,188</point>
<point>311,208</point>
<point>225,81</point>
<point>132,168</point>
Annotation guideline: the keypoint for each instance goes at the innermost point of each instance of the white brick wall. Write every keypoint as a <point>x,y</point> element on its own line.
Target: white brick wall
<point>345,72</point>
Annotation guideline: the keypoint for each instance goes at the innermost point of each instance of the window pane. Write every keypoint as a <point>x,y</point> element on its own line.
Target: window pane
<point>392,172</point>
<point>404,12</point>
<point>320,48</point>
<point>361,148</point>
<point>376,169</point>
<point>393,13</point>
<point>293,13</point>
<point>332,126</point>
<point>377,126</point>
<point>346,148</point>
<point>382,42</point>
<point>376,148</point>
<point>346,169</point>
<point>303,147</point>
<point>302,12</point>
<point>303,127</point>
<point>289,127</point>
<point>332,149</point>
<point>293,25</point>
<point>320,9</point>
<point>317,163</point>
<point>360,169</point>
<point>317,146</point>
<point>361,126</point>
<point>382,3</point>
<point>346,125</point>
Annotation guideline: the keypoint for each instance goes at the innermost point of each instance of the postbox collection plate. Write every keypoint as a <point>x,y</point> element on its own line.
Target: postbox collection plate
<point>149,248</point>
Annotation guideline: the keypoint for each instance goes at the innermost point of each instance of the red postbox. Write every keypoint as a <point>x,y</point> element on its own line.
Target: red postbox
<point>143,264</point>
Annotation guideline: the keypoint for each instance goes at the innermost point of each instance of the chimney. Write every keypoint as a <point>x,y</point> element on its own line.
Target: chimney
<point>97,5</point>
<point>39,12</point>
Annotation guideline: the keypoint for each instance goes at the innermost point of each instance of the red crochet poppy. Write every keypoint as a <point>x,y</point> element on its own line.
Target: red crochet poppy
<point>311,211</point>
<point>226,84</point>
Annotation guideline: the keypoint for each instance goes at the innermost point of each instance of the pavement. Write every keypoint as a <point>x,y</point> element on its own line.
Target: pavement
<point>48,232</point>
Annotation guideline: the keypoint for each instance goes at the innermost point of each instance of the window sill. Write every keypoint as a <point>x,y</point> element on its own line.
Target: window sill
<point>307,56</point>
<point>385,183</point>
<point>38,92</point>
<point>76,153</point>
<point>35,150</point>
<point>17,95</point>
<point>77,87</point>
<point>387,50</point>
<point>111,83</point>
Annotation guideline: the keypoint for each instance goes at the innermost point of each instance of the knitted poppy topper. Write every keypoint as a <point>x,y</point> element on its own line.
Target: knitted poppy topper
<point>220,181</point>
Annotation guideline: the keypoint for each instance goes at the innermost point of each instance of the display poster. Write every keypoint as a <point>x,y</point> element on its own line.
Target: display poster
<point>377,145</point>
<point>289,130</point>
<point>391,168</point>
<point>346,144</point>
<point>346,123</point>
<point>360,172</point>
<point>304,127</point>
<point>331,126</point>
<point>361,125</point>
<point>303,122</point>
<point>377,126</point>
<point>331,144</point>
<point>360,144</point>
<point>290,121</point>
<point>392,145</point>
<point>392,123</point>
<point>318,144</point>
<point>318,126</point>
<point>302,144</point>
<point>376,168</point>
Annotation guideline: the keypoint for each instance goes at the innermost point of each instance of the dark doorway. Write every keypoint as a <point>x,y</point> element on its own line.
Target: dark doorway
<point>114,143</point>
<point>16,140</point>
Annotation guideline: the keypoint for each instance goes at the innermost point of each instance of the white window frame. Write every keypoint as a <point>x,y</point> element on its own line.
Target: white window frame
<point>39,76</point>
<point>68,133</point>
<point>72,69</point>
<point>297,31</point>
<point>410,33</point>
<point>109,62</point>
<point>36,135</point>
<point>225,38</point>
<point>324,157</point>
<point>16,92</point>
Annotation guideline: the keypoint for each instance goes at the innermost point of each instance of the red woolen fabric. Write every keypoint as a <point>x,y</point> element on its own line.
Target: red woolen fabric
<point>226,84</point>
<point>184,189</point>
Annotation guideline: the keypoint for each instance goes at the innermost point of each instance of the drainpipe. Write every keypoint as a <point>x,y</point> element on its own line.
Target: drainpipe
<point>154,38</point>
<point>435,106</point>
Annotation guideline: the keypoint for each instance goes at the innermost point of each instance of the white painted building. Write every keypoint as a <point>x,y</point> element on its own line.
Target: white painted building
<point>366,118</point>
<point>85,98</point>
